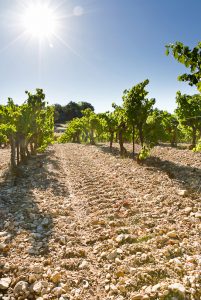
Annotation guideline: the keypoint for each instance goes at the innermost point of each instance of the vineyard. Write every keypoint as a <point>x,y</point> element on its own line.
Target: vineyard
<point>28,128</point>
<point>108,209</point>
<point>85,224</point>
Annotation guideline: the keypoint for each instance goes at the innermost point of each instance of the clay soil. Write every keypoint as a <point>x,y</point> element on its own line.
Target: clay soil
<point>79,222</point>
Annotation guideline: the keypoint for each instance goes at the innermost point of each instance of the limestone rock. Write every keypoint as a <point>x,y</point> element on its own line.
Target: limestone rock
<point>22,287</point>
<point>178,287</point>
<point>4,283</point>
<point>182,193</point>
<point>37,287</point>
<point>198,215</point>
<point>83,264</point>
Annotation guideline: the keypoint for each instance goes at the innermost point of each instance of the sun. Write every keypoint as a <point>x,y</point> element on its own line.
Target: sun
<point>39,21</point>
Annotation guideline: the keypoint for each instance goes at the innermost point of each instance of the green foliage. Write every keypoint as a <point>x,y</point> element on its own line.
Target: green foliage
<point>189,113</point>
<point>154,128</point>
<point>121,120</point>
<point>191,59</point>
<point>138,107</point>
<point>197,148</point>
<point>144,153</point>
<point>170,124</point>
<point>73,131</point>
<point>109,121</point>
<point>92,125</point>
<point>86,129</point>
<point>109,125</point>
<point>70,111</point>
<point>28,127</point>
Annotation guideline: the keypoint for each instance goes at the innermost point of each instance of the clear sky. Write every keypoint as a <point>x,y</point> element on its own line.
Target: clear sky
<point>99,48</point>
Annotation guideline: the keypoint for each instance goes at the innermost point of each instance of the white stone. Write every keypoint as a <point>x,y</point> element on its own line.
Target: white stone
<point>155,287</point>
<point>113,288</point>
<point>182,193</point>
<point>120,238</point>
<point>188,210</point>
<point>3,233</point>
<point>4,283</point>
<point>37,287</point>
<point>83,264</point>
<point>198,215</point>
<point>177,287</point>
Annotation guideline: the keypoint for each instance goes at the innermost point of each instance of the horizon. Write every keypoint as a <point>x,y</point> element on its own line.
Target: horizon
<point>94,50</point>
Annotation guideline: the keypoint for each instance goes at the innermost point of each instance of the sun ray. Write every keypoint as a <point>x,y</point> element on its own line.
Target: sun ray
<point>62,41</point>
<point>13,42</point>
<point>43,23</point>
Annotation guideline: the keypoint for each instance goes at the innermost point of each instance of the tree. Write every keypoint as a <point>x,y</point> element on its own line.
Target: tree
<point>86,128</point>
<point>73,131</point>
<point>154,130</point>
<point>161,126</point>
<point>191,59</point>
<point>189,113</point>
<point>138,108</point>
<point>28,126</point>
<point>122,126</point>
<point>84,105</point>
<point>92,125</point>
<point>110,125</point>
<point>59,113</point>
<point>72,110</point>
<point>9,115</point>
<point>170,123</point>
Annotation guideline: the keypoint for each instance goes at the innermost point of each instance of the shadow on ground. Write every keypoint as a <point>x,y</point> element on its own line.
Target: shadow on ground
<point>19,198</point>
<point>188,177</point>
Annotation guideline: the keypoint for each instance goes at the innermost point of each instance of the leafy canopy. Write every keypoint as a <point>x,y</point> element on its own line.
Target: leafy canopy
<point>191,59</point>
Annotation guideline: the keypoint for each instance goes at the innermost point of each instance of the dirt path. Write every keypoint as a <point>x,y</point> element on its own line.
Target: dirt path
<point>81,223</point>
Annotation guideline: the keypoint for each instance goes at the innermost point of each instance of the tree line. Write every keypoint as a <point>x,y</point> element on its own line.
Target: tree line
<point>66,113</point>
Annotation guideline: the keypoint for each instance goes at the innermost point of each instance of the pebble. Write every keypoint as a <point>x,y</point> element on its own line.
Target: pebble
<point>137,297</point>
<point>56,277</point>
<point>85,284</point>
<point>4,283</point>
<point>172,234</point>
<point>182,193</point>
<point>83,265</point>
<point>178,287</point>
<point>198,215</point>
<point>22,287</point>
<point>155,242</point>
<point>3,247</point>
<point>37,287</point>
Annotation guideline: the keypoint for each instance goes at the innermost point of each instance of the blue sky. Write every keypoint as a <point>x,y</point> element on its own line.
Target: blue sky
<point>107,48</point>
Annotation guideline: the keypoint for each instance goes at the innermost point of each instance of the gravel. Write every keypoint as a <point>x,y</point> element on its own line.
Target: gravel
<point>79,222</point>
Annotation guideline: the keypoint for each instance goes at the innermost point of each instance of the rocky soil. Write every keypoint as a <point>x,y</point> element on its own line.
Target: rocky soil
<point>79,222</point>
